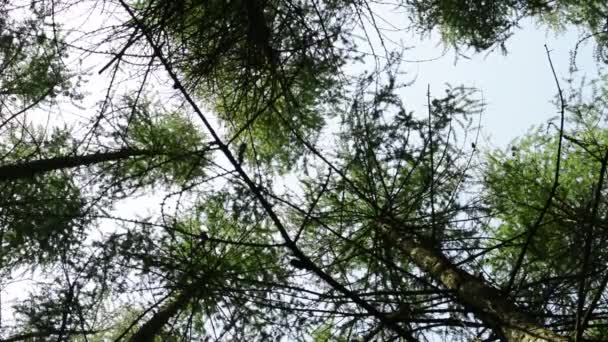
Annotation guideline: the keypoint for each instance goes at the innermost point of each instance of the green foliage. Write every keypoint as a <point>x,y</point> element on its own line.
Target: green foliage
<point>272,119</point>
<point>380,232</point>
<point>387,153</point>
<point>32,67</point>
<point>474,23</point>
<point>324,334</point>
<point>589,14</point>
<point>519,180</point>
<point>123,319</point>
<point>174,147</point>
<point>41,217</point>
<point>267,68</point>
<point>482,24</point>
<point>382,196</point>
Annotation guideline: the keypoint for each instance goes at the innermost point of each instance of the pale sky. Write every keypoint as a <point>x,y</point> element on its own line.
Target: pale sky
<point>517,88</point>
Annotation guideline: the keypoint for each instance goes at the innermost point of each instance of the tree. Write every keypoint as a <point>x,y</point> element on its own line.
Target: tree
<point>390,229</point>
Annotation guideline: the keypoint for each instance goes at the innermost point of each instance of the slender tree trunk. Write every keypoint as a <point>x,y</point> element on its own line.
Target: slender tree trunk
<point>31,168</point>
<point>154,325</point>
<point>486,302</point>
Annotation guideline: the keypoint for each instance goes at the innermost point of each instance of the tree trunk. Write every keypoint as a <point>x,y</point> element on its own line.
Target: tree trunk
<point>31,168</point>
<point>154,325</point>
<point>486,302</point>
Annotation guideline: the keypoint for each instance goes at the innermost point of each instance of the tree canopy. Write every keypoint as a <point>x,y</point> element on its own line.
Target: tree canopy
<point>223,170</point>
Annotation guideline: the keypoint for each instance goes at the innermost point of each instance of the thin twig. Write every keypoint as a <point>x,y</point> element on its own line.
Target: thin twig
<point>432,174</point>
<point>581,320</point>
<point>534,229</point>
<point>256,190</point>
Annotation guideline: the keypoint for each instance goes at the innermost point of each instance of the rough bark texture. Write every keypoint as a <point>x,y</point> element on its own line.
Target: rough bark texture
<point>487,302</point>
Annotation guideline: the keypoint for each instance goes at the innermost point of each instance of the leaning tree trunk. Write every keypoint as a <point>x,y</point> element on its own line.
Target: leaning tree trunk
<point>31,168</point>
<point>485,301</point>
<point>155,324</point>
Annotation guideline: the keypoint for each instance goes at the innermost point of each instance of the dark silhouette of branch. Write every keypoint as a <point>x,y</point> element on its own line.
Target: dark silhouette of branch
<point>155,324</point>
<point>42,334</point>
<point>532,231</point>
<point>297,252</point>
<point>35,167</point>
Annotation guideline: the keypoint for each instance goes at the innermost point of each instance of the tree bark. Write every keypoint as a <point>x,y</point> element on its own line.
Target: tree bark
<point>485,301</point>
<point>31,168</point>
<point>154,325</point>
